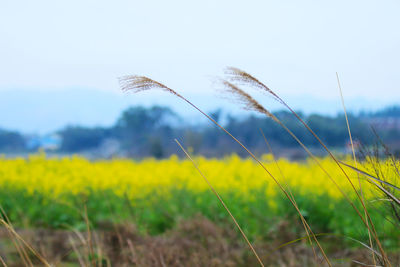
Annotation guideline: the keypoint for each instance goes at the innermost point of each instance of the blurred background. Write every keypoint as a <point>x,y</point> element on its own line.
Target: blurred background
<point>60,64</point>
<point>80,178</point>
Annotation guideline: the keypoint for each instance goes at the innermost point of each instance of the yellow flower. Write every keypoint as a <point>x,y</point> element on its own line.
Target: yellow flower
<point>56,177</point>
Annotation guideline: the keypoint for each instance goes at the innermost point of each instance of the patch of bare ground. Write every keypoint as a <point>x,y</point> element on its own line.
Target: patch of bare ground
<point>195,242</point>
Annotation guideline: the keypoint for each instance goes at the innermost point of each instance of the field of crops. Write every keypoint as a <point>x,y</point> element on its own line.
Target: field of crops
<point>156,194</point>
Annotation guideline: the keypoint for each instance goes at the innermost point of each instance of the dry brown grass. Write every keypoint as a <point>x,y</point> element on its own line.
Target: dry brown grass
<point>194,242</point>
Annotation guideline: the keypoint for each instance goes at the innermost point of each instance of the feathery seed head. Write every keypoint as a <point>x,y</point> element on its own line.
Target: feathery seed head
<point>138,84</point>
<point>248,102</point>
<point>238,75</point>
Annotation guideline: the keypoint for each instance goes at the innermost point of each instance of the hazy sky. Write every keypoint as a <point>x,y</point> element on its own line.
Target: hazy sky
<point>49,49</point>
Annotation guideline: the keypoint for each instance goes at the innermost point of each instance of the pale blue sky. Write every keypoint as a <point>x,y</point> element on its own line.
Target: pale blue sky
<point>60,59</point>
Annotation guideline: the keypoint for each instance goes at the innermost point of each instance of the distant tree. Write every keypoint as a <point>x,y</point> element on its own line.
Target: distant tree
<point>11,141</point>
<point>75,138</point>
<point>145,131</point>
<point>216,115</point>
<point>150,132</point>
<point>140,119</point>
<point>142,132</point>
<point>333,130</point>
<point>393,111</point>
<point>156,147</point>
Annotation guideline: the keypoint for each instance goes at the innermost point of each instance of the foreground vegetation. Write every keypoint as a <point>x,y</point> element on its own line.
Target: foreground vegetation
<point>154,200</point>
<point>155,194</point>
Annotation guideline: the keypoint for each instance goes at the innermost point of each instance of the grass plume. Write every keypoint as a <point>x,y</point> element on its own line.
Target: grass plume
<point>136,84</point>
<point>241,76</point>
<point>141,83</point>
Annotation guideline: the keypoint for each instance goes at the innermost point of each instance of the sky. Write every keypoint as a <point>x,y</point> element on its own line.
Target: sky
<point>60,60</point>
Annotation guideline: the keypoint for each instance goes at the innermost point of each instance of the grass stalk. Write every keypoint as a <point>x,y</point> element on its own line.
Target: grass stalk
<point>355,161</point>
<point>11,229</point>
<point>91,253</point>
<point>222,202</point>
<point>17,244</point>
<point>241,76</point>
<point>307,228</point>
<point>141,83</point>
<point>78,254</point>
<point>3,262</point>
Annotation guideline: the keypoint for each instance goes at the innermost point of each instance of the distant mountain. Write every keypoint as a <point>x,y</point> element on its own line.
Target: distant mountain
<point>45,111</point>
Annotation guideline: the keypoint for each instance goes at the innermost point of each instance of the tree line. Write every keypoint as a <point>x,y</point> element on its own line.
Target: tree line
<point>141,132</point>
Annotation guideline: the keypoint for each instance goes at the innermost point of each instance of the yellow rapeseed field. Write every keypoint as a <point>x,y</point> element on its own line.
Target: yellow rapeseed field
<point>56,176</point>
